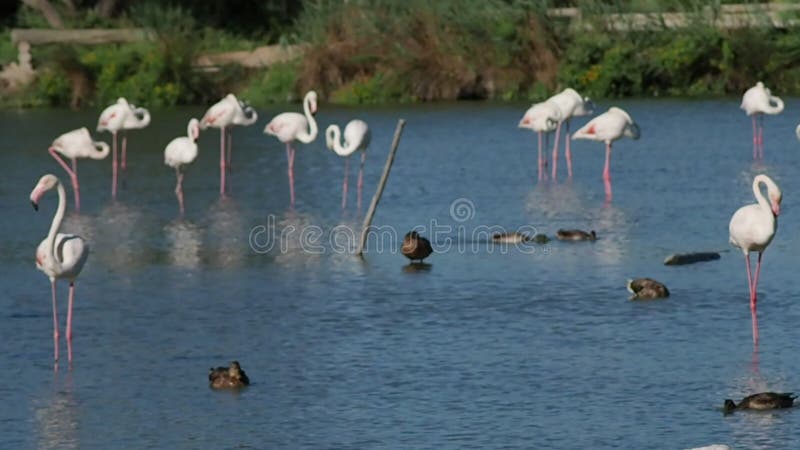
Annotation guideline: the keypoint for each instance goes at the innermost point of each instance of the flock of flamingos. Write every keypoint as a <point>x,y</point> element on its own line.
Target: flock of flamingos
<point>62,256</point>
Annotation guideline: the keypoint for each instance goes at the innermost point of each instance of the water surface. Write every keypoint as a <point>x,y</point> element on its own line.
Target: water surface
<point>484,349</point>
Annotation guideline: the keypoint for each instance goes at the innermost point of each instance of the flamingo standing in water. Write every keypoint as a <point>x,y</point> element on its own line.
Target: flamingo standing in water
<point>59,255</point>
<point>752,228</point>
<point>181,151</point>
<point>121,116</point>
<point>757,101</point>
<point>77,144</point>
<point>356,137</point>
<point>223,114</point>
<point>136,119</point>
<point>570,104</point>
<point>542,118</point>
<point>608,127</point>
<point>291,126</point>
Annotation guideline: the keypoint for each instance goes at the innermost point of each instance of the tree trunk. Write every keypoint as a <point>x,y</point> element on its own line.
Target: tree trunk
<point>105,8</point>
<point>70,5</point>
<point>48,11</point>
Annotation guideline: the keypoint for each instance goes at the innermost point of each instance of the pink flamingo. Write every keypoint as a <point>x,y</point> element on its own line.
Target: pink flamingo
<point>121,116</point>
<point>356,137</point>
<point>752,227</point>
<point>542,118</point>
<point>571,104</point>
<point>59,255</point>
<point>608,127</point>
<point>757,101</point>
<point>77,144</point>
<point>223,114</point>
<point>181,151</point>
<point>291,126</point>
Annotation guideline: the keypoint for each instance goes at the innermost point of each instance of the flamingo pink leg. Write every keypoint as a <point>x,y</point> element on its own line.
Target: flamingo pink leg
<point>179,188</point>
<point>230,147</point>
<point>607,173</point>
<point>539,161</point>
<point>567,152</point>
<point>607,168</point>
<point>761,136</point>
<point>124,162</point>
<point>755,137</point>
<point>69,320</point>
<point>754,296</point>
<point>754,317</point>
<point>749,281</point>
<point>55,320</point>
<point>73,176</point>
<point>361,177</point>
<point>344,184</point>
<point>222,168</point>
<point>290,160</point>
<point>555,151</point>
<point>114,165</point>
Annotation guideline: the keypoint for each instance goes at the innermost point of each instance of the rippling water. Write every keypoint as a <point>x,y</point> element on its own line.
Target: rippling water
<point>485,348</point>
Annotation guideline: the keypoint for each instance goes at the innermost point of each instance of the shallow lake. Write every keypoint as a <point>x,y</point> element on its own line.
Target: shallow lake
<point>489,347</point>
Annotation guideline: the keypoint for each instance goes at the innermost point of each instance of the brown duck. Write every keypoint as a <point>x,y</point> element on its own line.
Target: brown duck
<point>646,289</point>
<point>231,377</point>
<point>575,235</point>
<point>416,247</point>
<point>762,401</point>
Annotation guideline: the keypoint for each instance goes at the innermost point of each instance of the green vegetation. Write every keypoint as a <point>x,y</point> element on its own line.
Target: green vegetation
<point>379,51</point>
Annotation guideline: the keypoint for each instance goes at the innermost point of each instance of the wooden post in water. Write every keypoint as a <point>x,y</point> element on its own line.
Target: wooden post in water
<point>377,197</point>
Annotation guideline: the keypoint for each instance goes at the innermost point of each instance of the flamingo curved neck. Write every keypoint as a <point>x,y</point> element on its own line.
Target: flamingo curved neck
<point>308,137</point>
<point>762,201</point>
<point>250,116</point>
<point>103,151</point>
<point>56,224</point>
<point>777,108</point>
<point>145,116</point>
<point>341,150</point>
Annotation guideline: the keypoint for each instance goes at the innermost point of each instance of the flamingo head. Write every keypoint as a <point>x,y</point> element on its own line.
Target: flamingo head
<point>311,98</point>
<point>586,108</point>
<point>775,203</point>
<point>194,129</point>
<point>632,131</point>
<point>45,183</point>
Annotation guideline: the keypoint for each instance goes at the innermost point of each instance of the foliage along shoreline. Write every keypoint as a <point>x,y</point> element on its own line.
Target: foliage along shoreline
<point>378,52</point>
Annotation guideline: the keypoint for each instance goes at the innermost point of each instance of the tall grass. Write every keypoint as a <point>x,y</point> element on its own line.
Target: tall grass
<point>377,50</point>
<point>366,51</point>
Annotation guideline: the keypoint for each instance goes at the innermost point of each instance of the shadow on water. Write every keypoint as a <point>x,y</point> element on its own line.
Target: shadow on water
<point>417,267</point>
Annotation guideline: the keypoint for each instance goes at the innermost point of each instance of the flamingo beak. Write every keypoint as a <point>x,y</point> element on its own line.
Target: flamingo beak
<point>776,209</point>
<point>35,205</point>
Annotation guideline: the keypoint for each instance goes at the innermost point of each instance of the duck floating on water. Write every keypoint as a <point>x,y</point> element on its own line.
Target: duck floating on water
<point>416,247</point>
<point>231,377</point>
<point>762,401</point>
<point>647,289</point>
<point>575,235</point>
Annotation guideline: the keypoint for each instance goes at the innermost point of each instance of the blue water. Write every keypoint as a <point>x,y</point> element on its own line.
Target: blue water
<point>487,348</point>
